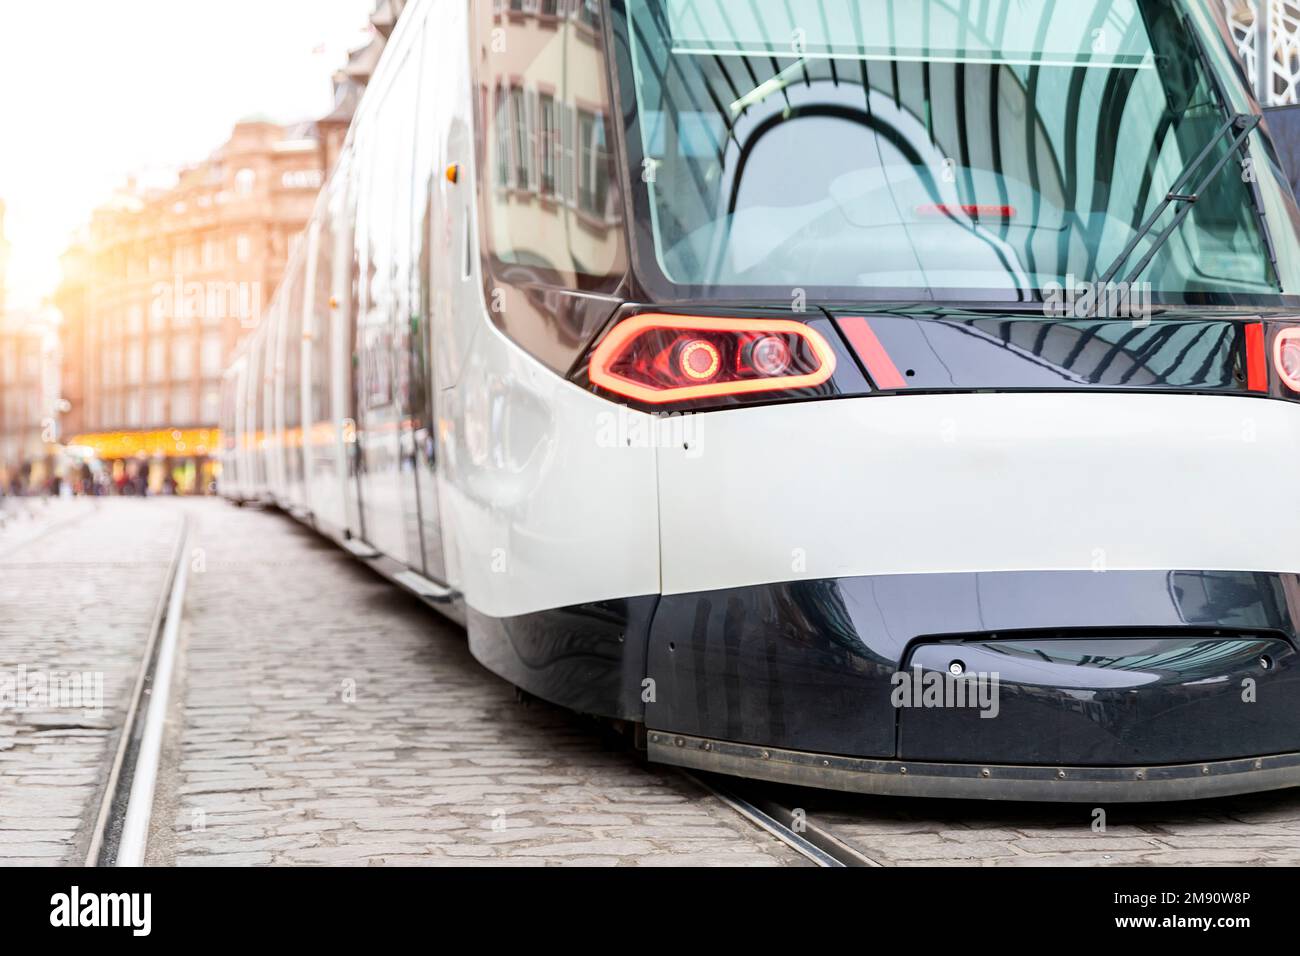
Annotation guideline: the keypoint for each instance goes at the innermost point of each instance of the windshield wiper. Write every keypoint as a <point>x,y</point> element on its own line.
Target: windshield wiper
<point>1244,124</point>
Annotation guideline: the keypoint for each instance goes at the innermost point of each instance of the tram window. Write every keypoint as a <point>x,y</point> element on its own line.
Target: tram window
<point>400,104</point>
<point>323,312</point>
<point>374,246</point>
<point>293,343</point>
<point>551,208</point>
<point>850,144</point>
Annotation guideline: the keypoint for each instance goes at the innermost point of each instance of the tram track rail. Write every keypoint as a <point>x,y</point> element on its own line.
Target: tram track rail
<point>121,823</point>
<point>787,824</point>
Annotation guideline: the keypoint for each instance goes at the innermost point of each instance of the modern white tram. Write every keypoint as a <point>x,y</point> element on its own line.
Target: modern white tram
<point>893,397</point>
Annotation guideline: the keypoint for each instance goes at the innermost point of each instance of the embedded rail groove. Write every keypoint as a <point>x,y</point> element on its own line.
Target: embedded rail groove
<point>121,824</point>
<point>809,839</point>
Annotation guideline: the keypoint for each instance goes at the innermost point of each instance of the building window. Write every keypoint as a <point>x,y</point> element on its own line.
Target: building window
<point>301,179</point>
<point>589,13</point>
<point>134,408</point>
<point>182,411</point>
<point>243,248</point>
<point>244,181</point>
<point>182,357</point>
<point>155,410</point>
<point>134,363</point>
<point>211,409</point>
<point>112,366</point>
<point>593,164</point>
<point>503,138</point>
<point>519,121</point>
<point>211,354</point>
<point>184,308</point>
<point>548,140</point>
<point>134,320</point>
<point>157,360</point>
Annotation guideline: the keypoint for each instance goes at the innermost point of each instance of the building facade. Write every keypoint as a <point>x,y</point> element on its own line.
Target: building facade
<point>29,399</point>
<point>29,389</point>
<point>161,289</point>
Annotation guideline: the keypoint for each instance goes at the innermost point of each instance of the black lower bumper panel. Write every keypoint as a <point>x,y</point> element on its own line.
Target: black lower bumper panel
<point>1192,781</point>
<point>1043,685</point>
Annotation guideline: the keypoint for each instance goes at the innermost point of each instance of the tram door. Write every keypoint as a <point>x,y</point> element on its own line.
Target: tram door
<point>428,254</point>
<point>402,102</point>
<point>378,373</point>
<point>398,496</point>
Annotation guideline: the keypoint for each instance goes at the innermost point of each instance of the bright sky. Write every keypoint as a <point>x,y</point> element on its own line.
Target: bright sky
<point>96,90</point>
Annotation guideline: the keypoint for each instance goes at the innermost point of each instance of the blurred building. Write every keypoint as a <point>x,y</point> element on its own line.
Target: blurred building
<point>350,81</point>
<point>29,398</point>
<point>28,386</point>
<point>162,287</point>
<point>164,284</point>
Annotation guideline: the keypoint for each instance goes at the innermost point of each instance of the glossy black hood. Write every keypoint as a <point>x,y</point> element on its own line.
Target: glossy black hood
<point>954,350</point>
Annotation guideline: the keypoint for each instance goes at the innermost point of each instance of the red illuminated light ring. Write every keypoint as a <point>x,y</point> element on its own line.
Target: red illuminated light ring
<point>608,351</point>
<point>1286,338</point>
<point>686,360</point>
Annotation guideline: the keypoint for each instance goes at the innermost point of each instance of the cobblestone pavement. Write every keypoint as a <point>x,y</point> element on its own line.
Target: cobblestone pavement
<point>326,717</point>
<point>78,586</point>
<point>1258,829</point>
<point>28,518</point>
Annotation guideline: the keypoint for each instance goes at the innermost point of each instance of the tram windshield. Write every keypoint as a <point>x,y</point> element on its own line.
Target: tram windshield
<point>937,148</point>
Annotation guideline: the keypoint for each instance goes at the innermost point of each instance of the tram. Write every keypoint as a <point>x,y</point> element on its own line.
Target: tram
<point>895,397</point>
